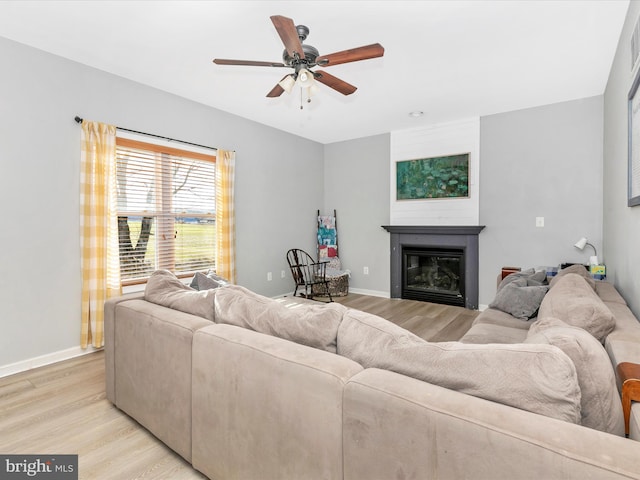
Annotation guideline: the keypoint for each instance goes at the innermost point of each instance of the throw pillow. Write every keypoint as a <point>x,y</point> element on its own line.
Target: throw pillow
<point>532,277</point>
<point>600,401</point>
<point>201,281</point>
<point>572,300</point>
<point>537,378</point>
<point>311,324</point>
<point>164,288</point>
<point>519,299</point>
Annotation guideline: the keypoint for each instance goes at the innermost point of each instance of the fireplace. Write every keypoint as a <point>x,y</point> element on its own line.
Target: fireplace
<point>435,263</point>
<point>433,275</point>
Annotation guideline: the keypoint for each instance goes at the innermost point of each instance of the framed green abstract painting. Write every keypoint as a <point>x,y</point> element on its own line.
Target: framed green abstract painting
<point>435,177</point>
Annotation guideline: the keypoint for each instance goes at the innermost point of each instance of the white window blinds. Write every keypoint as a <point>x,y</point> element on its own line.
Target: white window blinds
<point>166,210</point>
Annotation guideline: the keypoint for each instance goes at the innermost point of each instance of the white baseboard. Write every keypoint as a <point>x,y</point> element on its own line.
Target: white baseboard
<point>48,359</point>
<point>482,307</point>
<point>371,293</point>
<point>361,291</point>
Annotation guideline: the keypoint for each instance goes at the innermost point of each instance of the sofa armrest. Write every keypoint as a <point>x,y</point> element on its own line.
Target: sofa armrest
<point>152,355</point>
<point>109,340</point>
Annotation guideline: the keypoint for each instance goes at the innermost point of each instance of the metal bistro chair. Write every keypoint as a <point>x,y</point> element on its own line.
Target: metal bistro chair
<point>307,272</point>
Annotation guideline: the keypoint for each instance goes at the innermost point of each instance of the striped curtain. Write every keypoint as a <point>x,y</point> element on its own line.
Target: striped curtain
<point>100,262</point>
<point>225,215</point>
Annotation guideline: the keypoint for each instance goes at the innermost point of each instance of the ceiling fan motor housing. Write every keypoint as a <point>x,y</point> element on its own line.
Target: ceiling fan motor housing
<point>310,52</point>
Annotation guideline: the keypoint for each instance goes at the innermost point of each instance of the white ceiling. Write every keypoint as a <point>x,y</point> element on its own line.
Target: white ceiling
<point>449,59</point>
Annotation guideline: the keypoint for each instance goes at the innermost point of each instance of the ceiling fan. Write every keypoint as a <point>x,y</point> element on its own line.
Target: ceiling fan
<point>302,57</point>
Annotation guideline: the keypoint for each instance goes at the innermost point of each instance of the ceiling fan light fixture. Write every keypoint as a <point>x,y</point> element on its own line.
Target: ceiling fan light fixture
<point>305,78</point>
<point>287,83</point>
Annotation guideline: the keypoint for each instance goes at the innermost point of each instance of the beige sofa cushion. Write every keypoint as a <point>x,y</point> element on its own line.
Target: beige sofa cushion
<point>608,293</point>
<point>492,316</point>
<point>601,405</point>
<point>538,378</point>
<point>311,324</point>
<point>488,333</point>
<point>164,288</point>
<point>572,300</point>
<point>265,408</point>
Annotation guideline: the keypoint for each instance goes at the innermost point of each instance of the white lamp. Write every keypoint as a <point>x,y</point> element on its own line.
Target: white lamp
<point>305,78</point>
<point>580,244</point>
<point>287,83</point>
<point>306,81</point>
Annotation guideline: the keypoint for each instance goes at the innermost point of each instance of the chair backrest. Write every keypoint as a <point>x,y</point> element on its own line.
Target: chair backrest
<point>301,265</point>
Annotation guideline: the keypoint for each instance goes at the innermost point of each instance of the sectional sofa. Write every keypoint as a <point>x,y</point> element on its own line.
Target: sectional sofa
<point>247,387</point>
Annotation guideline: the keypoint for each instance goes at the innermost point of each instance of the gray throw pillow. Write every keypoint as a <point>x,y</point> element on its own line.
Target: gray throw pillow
<point>532,277</point>
<point>519,299</point>
<point>201,281</point>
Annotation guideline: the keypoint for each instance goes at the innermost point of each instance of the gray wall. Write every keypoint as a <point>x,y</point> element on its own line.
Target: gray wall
<point>39,188</point>
<point>539,162</point>
<point>621,223</point>
<point>544,161</point>
<point>357,187</point>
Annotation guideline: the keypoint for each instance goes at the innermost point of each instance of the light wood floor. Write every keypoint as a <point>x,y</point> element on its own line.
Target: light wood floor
<point>431,321</point>
<point>62,408</point>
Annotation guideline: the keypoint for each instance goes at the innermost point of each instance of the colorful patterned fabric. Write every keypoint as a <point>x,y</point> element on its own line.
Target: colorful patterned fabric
<point>100,261</point>
<point>225,215</point>
<point>327,234</point>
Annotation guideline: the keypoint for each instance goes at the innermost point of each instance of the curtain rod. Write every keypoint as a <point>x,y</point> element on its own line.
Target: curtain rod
<point>80,120</point>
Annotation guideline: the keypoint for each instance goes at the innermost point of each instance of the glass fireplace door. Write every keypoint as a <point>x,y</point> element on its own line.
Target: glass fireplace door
<point>435,275</point>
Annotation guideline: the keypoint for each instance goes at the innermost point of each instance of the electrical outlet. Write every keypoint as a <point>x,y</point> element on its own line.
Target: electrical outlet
<point>365,270</point>
<point>283,274</point>
<point>539,221</point>
<point>269,276</point>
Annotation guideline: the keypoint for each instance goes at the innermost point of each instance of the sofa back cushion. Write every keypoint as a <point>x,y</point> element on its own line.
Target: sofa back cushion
<point>577,269</point>
<point>572,299</point>
<point>164,288</point>
<point>536,378</point>
<point>311,324</point>
<point>601,405</point>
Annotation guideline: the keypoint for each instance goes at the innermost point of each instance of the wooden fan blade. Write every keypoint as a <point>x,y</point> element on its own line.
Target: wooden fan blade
<point>352,55</point>
<point>251,63</point>
<point>335,83</point>
<point>288,34</point>
<point>277,90</point>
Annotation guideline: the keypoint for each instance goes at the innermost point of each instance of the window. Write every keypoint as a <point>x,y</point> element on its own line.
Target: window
<point>166,210</point>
